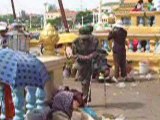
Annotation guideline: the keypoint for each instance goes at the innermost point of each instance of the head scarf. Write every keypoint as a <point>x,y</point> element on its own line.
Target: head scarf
<point>62,101</point>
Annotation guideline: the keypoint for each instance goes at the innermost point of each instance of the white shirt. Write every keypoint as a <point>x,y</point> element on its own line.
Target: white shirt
<point>140,6</point>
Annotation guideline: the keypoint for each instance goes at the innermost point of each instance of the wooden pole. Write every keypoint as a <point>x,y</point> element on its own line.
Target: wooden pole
<point>63,16</point>
<point>13,9</point>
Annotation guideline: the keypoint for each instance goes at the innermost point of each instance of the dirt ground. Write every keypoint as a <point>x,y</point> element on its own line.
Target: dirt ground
<point>138,100</point>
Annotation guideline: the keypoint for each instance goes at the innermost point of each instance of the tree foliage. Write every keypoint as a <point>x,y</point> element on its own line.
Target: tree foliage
<point>55,22</point>
<point>36,21</point>
<point>51,7</point>
<point>87,17</point>
<point>7,18</point>
<point>24,18</point>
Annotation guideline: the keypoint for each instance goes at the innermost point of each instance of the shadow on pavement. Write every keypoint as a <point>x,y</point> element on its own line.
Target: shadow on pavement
<point>137,118</point>
<point>124,106</point>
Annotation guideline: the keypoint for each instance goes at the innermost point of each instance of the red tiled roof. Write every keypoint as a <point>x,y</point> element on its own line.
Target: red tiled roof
<point>133,1</point>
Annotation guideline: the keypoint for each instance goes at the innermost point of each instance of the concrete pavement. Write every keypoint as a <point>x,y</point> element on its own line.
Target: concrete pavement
<point>136,101</point>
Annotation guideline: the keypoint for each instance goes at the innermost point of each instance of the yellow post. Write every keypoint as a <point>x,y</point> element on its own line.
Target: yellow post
<point>134,17</point>
<point>118,17</point>
<point>157,18</point>
<point>134,20</point>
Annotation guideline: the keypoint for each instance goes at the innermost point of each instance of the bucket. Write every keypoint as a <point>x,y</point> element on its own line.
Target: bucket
<point>143,67</point>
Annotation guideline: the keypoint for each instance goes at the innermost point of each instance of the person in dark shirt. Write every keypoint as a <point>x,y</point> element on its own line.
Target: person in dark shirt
<point>84,49</point>
<point>119,34</point>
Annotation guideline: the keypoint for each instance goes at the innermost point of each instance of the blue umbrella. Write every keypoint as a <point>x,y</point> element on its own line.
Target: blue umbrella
<point>21,69</point>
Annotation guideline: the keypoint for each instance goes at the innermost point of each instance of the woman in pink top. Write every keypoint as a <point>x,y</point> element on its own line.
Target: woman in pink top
<point>139,6</point>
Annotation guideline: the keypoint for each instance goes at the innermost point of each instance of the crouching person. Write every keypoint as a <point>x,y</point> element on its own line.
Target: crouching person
<point>61,106</point>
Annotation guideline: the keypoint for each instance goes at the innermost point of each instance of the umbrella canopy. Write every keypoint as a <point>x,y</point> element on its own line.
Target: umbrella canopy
<point>21,69</point>
<point>67,38</point>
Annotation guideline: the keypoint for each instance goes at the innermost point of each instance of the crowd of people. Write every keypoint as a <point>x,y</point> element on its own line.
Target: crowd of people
<point>86,52</point>
<point>141,21</point>
<point>150,7</point>
<point>140,6</point>
<point>89,58</point>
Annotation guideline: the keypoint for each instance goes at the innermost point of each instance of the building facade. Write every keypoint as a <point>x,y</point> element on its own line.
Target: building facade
<point>106,12</point>
<point>70,15</point>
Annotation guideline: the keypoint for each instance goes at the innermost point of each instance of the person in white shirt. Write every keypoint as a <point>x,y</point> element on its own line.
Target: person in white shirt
<point>3,35</point>
<point>139,6</point>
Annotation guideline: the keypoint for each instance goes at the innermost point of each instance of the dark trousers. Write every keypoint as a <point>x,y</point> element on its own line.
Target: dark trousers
<point>151,20</point>
<point>120,64</point>
<point>85,76</point>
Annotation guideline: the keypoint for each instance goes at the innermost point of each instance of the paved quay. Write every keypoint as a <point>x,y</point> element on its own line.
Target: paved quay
<point>136,100</point>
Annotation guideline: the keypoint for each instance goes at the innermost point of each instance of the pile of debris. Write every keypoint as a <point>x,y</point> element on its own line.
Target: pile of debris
<point>112,117</point>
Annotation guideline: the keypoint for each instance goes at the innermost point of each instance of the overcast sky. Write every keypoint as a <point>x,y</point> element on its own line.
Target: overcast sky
<point>37,6</point>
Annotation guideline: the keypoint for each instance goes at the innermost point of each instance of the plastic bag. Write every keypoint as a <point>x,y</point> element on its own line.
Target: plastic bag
<point>91,112</point>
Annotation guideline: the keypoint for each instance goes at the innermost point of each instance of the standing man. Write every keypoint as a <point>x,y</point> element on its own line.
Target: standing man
<point>119,34</point>
<point>84,50</point>
<point>151,8</point>
<point>3,35</point>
